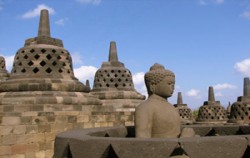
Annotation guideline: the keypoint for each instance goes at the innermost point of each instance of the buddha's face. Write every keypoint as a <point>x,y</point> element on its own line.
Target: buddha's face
<point>165,88</point>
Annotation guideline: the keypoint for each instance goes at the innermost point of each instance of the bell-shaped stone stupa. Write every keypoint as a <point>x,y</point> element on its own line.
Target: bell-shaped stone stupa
<point>4,75</point>
<point>113,83</point>
<point>212,111</point>
<point>43,65</point>
<point>240,110</point>
<point>185,112</point>
<point>41,97</point>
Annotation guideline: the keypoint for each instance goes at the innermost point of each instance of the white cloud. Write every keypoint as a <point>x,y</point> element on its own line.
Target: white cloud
<point>8,61</point>
<point>205,2</point>
<point>77,58</point>
<point>243,67</point>
<point>245,14</point>
<point>193,93</point>
<point>218,94</point>
<point>95,2</point>
<point>84,73</point>
<point>61,22</point>
<point>224,86</point>
<point>138,80</point>
<point>36,12</point>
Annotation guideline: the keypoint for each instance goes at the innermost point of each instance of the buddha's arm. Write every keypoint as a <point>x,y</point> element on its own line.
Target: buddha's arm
<point>143,123</point>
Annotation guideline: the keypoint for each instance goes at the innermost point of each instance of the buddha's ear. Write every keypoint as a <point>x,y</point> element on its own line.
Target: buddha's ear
<point>152,88</point>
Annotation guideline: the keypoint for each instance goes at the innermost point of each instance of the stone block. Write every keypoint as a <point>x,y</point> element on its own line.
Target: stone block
<point>11,120</point>
<point>38,137</point>
<point>18,156</point>
<point>6,130</point>
<point>72,119</point>
<point>5,150</point>
<point>82,118</point>
<point>19,149</point>
<point>8,108</point>
<point>20,129</point>
<point>26,120</point>
<point>44,128</point>
<point>56,128</point>
<point>31,129</point>
<point>9,139</point>
<point>50,137</point>
<point>30,155</point>
<point>30,113</point>
<point>40,154</point>
<point>24,139</point>
<point>21,108</point>
<point>61,119</point>
<point>49,153</point>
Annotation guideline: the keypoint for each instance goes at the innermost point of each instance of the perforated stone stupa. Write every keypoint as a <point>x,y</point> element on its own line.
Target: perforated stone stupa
<point>240,110</point>
<point>185,112</point>
<point>41,97</point>
<point>113,83</point>
<point>212,111</point>
<point>3,72</point>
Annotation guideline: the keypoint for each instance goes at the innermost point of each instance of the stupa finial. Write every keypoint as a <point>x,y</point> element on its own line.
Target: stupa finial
<point>179,99</point>
<point>246,87</point>
<point>113,52</point>
<point>211,94</point>
<point>44,27</point>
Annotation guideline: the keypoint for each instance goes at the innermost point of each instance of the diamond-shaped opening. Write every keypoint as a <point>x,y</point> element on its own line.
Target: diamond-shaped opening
<point>64,64</point>
<point>35,70</point>
<point>54,63</point>
<point>109,152</point>
<point>48,70</point>
<point>116,75</point>
<point>30,63</point>
<point>60,70</point>
<point>23,51</point>
<point>43,50</point>
<point>20,64</point>
<point>37,56</point>
<point>62,52</point>
<point>112,71</point>
<point>116,85</point>
<point>68,72</point>
<point>111,80</point>
<point>107,85</point>
<point>32,51</point>
<point>67,58</point>
<point>53,51</point>
<point>26,57</point>
<point>17,57</point>
<point>119,71</point>
<point>48,56</point>
<point>42,63</point>
<point>23,70</point>
<point>59,57</point>
<point>124,85</point>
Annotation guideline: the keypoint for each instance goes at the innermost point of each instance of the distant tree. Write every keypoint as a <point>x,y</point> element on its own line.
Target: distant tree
<point>195,113</point>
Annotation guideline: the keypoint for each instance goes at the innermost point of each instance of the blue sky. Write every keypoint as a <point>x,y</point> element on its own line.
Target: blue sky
<point>204,42</point>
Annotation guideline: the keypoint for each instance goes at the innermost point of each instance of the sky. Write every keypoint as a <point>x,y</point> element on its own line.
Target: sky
<point>204,42</point>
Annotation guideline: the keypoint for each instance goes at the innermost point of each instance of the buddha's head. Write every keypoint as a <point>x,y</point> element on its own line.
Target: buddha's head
<point>160,81</point>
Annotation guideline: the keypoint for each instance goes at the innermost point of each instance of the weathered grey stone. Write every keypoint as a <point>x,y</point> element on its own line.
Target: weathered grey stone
<point>240,110</point>
<point>114,82</point>
<point>212,111</point>
<point>185,112</point>
<point>156,117</point>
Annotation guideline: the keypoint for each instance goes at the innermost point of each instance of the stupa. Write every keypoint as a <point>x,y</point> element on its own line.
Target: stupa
<point>113,83</point>
<point>4,75</point>
<point>211,111</point>
<point>240,110</point>
<point>185,112</point>
<point>41,97</point>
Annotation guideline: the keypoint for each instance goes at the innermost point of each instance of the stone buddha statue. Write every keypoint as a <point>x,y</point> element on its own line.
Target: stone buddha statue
<point>156,117</point>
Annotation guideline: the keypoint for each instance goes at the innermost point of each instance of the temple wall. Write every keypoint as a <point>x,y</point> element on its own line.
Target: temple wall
<point>28,131</point>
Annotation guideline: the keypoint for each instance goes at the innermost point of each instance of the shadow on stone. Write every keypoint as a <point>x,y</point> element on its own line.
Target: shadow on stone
<point>179,152</point>
<point>109,153</point>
